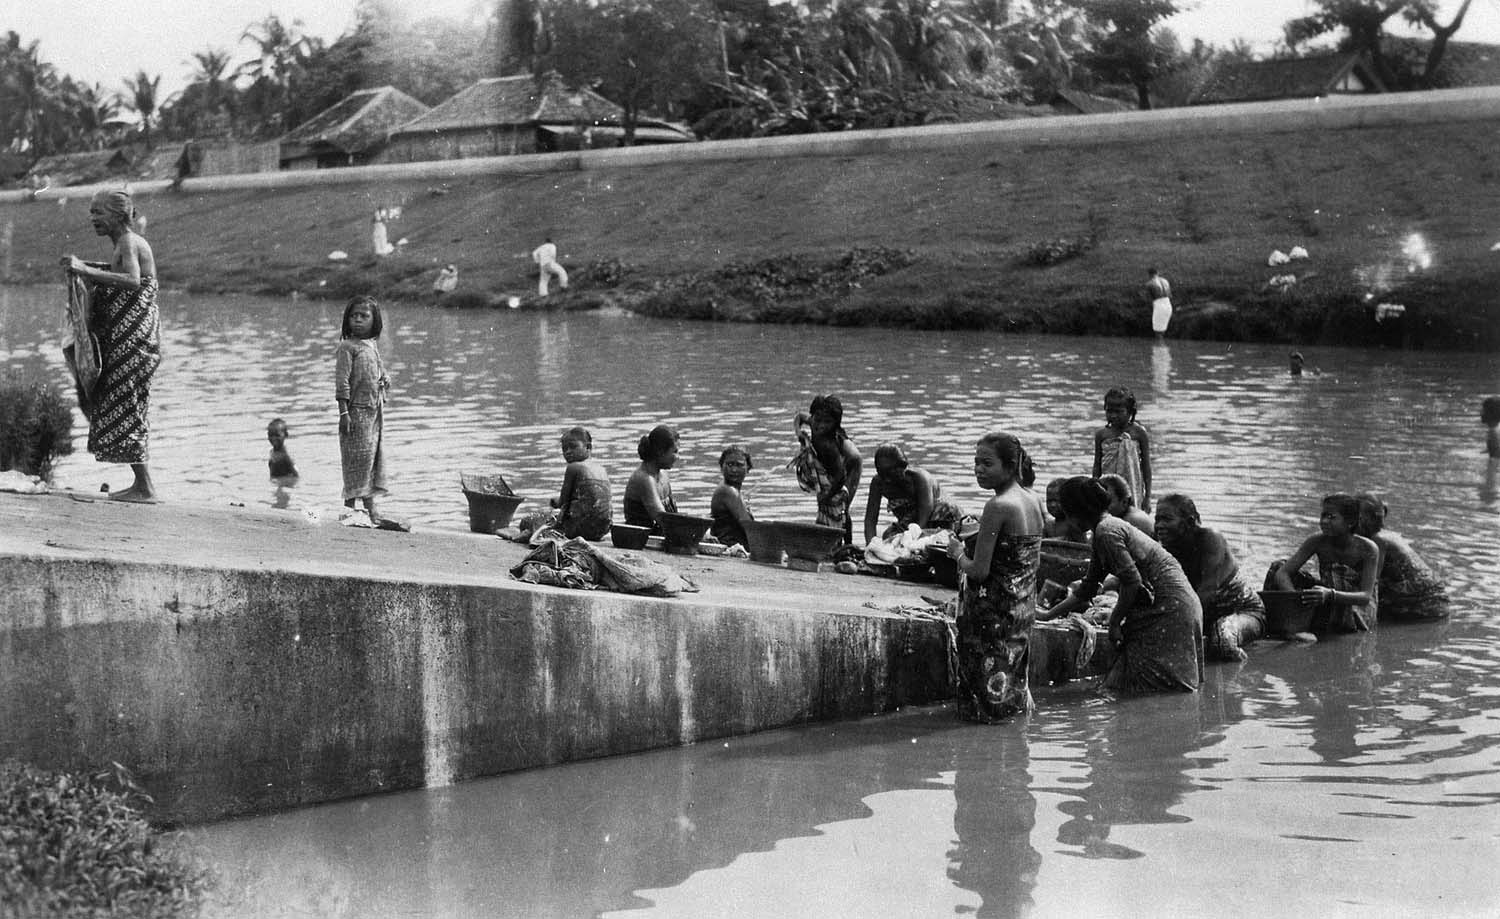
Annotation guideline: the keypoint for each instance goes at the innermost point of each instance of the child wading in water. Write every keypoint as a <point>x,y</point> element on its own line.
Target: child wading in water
<point>584,499</point>
<point>1123,447</point>
<point>1059,526</point>
<point>281,465</point>
<point>727,507</point>
<point>360,385</point>
<point>1348,565</point>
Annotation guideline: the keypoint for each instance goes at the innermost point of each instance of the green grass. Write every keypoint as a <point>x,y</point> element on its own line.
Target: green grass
<point>1206,210</point>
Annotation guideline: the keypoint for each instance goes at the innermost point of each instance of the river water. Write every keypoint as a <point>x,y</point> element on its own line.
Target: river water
<point>1357,776</point>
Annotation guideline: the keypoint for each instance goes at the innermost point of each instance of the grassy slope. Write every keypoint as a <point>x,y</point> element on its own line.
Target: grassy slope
<point>1207,211</point>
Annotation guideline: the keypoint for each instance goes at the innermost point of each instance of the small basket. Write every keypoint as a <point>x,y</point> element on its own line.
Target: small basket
<point>491,502</point>
<point>1285,614</point>
<point>763,541</point>
<point>680,532</point>
<point>625,536</point>
<point>944,567</point>
<point>1063,561</point>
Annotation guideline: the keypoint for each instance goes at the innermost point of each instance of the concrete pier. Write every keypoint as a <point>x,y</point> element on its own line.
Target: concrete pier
<point>242,661</point>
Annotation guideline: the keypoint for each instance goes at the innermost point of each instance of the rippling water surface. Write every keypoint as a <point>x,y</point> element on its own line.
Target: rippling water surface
<point>1358,776</point>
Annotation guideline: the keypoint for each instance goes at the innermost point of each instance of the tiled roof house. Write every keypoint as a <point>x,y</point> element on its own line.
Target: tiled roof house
<point>1289,78</point>
<point>351,132</point>
<point>86,168</point>
<point>502,116</point>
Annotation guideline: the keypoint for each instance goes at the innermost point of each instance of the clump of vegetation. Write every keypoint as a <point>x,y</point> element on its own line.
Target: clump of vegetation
<point>36,427</point>
<point>606,272</point>
<point>77,847</point>
<point>776,289</point>
<point>1059,249</point>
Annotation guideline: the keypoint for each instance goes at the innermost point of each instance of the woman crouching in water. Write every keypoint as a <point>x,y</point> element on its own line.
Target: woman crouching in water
<point>1233,614</point>
<point>1157,623</point>
<point>997,603</point>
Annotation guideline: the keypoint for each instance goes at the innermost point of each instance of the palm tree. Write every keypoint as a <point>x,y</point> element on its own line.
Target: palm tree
<point>213,64</point>
<point>282,49</point>
<point>141,99</point>
<point>29,91</point>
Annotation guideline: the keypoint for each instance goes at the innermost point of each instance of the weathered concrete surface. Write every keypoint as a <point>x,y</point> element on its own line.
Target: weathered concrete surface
<point>241,661</point>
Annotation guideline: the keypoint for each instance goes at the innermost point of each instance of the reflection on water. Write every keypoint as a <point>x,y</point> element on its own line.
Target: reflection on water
<point>1353,775</point>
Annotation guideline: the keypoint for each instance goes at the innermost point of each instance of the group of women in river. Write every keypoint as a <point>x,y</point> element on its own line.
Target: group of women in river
<point>1179,592</point>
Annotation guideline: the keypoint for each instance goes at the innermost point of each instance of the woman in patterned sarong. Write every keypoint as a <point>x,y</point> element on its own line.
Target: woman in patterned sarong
<point>124,320</point>
<point>1157,623</point>
<point>997,603</point>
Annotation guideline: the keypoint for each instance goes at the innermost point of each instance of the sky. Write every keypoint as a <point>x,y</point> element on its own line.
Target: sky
<point>107,41</point>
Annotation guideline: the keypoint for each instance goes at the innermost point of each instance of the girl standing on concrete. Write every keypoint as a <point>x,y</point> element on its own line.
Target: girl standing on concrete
<point>360,385</point>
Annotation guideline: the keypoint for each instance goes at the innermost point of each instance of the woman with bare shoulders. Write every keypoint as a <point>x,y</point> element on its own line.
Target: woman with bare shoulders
<point>124,319</point>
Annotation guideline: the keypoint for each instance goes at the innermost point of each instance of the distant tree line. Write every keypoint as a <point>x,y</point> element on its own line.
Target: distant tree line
<point>730,68</point>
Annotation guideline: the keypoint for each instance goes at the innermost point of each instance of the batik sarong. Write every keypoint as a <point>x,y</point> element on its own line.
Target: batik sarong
<point>127,327</point>
<point>994,633</point>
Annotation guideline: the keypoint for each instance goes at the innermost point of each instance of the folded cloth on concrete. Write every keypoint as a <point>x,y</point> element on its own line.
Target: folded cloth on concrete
<point>578,564</point>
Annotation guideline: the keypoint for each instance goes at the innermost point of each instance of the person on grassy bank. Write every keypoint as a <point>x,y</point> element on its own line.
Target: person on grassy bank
<point>648,493</point>
<point>911,493</point>
<point>829,463</point>
<point>997,600</point>
<point>126,323</point>
<point>1159,291</point>
<point>1233,614</point>
<point>545,257</point>
<point>728,509</point>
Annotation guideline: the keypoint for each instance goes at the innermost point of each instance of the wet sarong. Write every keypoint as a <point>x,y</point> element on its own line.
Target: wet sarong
<point>994,633</point>
<point>127,327</point>
<point>1121,454</point>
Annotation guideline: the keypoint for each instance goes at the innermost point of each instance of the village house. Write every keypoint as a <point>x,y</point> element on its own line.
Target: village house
<point>352,132</point>
<point>85,168</point>
<point>504,116</point>
<point>1309,77</point>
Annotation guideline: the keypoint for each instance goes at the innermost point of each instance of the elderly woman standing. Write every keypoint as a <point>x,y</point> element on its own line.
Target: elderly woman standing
<point>1157,623</point>
<point>124,319</point>
<point>1233,614</point>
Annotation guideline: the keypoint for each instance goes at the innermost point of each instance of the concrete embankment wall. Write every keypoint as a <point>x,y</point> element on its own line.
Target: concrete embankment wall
<point>243,691</point>
<point>1327,114</point>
